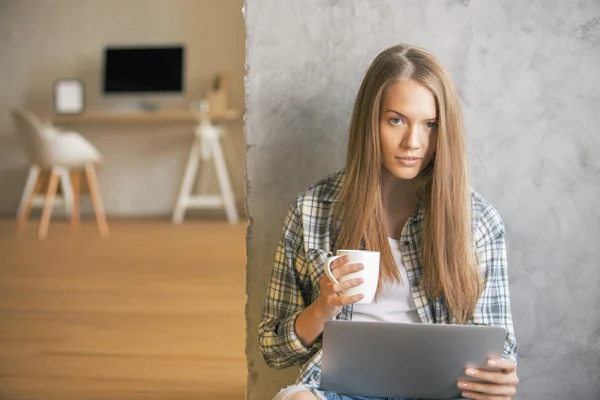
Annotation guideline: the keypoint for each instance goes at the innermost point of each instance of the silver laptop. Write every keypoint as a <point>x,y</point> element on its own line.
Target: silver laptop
<point>424,361</point>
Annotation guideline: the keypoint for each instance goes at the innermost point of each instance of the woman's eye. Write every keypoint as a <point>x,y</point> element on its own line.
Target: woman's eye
<point>431,124</point>
<point>395,121</point>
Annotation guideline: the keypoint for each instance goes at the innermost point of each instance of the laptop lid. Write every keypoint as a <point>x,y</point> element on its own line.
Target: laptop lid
<point>424,361</point>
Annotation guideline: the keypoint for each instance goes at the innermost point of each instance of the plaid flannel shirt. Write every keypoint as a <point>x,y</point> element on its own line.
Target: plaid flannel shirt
<point>307,241</point>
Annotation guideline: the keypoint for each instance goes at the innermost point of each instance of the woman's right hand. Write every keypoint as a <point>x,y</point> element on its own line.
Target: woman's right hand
<point>330,301</point>
<point>311,322</point>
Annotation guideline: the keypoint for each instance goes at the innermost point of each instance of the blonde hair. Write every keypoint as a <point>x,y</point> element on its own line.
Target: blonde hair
<point>450,270</point>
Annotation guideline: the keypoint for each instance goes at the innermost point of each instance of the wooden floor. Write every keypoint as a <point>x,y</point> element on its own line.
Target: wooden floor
<point>154,312</point>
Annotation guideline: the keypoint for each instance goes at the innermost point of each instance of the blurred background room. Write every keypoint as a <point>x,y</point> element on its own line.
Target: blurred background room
<point>122,230</point>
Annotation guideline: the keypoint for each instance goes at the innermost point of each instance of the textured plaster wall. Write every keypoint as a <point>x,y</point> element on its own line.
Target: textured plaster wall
<point>528,76</point>
<point>43,40</point>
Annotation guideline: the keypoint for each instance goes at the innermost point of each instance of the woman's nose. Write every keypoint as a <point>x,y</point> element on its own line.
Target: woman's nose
<point>411,140</point>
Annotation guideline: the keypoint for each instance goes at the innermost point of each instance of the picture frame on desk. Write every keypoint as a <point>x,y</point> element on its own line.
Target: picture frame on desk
<point>69,96</point>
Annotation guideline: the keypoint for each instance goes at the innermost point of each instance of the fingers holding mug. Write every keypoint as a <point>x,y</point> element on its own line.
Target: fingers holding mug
<point>347,284</point>
<point>338,266</point>
<point>354,273</point>
<point>347,269</point>
<point>337,262</point>
<point>346,300</point>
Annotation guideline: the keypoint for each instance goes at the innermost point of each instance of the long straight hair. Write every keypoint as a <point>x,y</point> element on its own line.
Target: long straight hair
<point>450,270</point>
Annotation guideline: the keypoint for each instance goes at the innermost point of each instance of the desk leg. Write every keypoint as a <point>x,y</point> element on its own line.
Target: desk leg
<point>224,182</point>
<point>188,182</point>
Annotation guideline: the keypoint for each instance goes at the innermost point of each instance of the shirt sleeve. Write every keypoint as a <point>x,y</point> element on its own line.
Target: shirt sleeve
<point>493,307</point>
<point>279,344</point>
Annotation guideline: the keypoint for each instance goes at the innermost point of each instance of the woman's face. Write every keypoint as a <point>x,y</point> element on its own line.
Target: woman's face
<point>407,128</point>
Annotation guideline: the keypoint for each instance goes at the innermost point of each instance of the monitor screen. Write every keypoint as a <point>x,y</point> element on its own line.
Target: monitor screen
<point>143,69</point>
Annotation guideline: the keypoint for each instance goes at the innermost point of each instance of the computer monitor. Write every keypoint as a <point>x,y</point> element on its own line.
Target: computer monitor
<point>149,69</point>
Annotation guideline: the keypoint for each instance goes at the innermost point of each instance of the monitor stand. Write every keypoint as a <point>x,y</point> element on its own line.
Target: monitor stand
<point>132,107</point>
<point>148,105</point>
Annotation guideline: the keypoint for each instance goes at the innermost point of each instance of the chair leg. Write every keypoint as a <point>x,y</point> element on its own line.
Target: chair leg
<point>32,179</point>
<point>49,203</point>
<point>67,191</point>
<point>92,180</point>
<point>24,214</point>
<point>75,184</point>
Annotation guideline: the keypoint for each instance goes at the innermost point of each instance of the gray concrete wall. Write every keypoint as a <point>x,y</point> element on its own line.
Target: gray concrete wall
<point>528,76</point>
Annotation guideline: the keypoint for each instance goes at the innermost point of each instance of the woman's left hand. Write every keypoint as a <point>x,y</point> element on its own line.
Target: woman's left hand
<point>495,385</point>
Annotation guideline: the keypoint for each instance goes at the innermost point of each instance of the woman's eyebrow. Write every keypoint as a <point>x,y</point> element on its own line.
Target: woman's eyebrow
<point>404,116</point>
<point>396,112</point>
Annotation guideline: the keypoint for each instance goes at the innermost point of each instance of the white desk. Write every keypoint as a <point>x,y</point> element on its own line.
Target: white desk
<point>205,148</point>
<point>175,115</point>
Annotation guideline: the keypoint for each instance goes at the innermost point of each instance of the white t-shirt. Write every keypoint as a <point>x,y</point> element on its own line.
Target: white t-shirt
<point>395,302</point>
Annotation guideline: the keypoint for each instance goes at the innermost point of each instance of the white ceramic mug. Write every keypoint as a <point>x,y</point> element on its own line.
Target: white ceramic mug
<point>370,273</point>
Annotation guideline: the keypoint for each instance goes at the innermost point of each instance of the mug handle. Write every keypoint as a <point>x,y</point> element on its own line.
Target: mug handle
<point>328,269</point>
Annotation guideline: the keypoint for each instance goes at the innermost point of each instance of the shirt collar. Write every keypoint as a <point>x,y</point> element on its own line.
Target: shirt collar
<point>417,215</point>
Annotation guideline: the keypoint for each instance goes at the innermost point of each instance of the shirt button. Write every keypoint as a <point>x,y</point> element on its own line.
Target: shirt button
<point>406,243</point>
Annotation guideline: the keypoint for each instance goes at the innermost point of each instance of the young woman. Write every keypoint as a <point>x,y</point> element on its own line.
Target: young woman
<point>404,192</point>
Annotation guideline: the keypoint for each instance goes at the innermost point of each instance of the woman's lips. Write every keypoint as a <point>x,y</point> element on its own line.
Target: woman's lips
<point>408,161</point>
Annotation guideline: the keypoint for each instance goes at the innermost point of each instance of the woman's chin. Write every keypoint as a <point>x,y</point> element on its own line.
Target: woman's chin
<point>405,173</point>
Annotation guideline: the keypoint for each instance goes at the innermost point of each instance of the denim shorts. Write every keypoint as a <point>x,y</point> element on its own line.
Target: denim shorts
<point>289,391</point>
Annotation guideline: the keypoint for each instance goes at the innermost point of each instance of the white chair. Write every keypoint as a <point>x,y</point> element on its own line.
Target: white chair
<point>60,156</point>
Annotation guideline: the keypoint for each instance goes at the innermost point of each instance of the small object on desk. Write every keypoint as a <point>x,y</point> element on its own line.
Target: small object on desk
<point>218,96</point>
<point>204,106</point>
<point>200,108</point>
